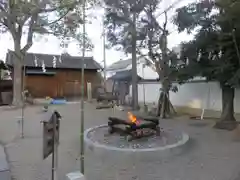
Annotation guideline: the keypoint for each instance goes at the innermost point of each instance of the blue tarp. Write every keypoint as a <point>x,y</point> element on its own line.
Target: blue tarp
<point>58,101</point>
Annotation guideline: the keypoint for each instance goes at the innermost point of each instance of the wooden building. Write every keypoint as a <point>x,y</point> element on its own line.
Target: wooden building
<point>57,76</point>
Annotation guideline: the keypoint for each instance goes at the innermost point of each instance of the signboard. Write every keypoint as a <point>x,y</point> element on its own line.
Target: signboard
<point>51,133</point>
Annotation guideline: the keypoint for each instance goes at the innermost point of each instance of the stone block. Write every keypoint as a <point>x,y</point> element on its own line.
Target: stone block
<point>5,175</point>
<point>4,167</point>
<point>3,161</point>
<point>75,176</point>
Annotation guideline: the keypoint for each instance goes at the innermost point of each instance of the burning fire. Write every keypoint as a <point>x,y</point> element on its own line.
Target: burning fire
<point>132,118</point>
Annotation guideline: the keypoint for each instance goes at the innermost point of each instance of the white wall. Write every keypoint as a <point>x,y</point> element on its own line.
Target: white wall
<point>195,95</point>
<point>146,72</point>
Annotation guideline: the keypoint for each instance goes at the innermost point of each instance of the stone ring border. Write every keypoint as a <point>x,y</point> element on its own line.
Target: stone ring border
<point>89,142</point>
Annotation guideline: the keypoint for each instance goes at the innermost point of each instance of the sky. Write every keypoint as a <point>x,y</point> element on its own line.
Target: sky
<point>51,45</point>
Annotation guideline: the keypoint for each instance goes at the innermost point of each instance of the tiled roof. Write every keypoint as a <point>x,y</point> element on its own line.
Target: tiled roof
<point>122,64</point>
<point>124,76</point>
<point>62,62</point>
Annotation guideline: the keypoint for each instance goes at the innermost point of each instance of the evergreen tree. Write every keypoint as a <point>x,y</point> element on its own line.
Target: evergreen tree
<point>214,51</point>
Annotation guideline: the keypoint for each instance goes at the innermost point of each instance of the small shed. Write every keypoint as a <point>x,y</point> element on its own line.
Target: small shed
<point>120,77</point>
<point>57,75</point>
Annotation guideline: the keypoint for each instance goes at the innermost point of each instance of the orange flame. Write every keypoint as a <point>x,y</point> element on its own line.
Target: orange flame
<point>132,118</point>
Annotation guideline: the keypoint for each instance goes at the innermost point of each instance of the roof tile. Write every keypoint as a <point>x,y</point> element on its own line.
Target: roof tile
<point>62,62</point>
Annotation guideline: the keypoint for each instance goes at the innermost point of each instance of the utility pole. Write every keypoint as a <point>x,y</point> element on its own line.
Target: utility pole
<point>134,65</point>
<point>104,55</point>
<point>82,92</point>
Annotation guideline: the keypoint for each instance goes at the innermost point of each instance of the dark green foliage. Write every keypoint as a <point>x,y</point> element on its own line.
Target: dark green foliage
<point>3,65</point>
<point>214,51</point>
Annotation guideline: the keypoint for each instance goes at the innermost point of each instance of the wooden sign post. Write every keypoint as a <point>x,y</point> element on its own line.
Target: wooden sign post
<point>51,139</point>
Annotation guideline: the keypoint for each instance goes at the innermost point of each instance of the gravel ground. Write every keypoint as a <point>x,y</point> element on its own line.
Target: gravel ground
<point>211,154</point>
<point>101,136</point>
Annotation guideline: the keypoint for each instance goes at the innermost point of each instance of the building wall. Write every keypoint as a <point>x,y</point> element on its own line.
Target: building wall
<point>195,95</point>
<point>41,86</point>
<point>64,84</point>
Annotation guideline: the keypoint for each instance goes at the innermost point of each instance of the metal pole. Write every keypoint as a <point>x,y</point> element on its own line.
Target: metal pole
<point>104,55</point>
<point>82,94</point>
<point>56,160</point>
<point>23,99</point>
<point>134,65</point>
<point>53,147</point>
<point>56,143</point>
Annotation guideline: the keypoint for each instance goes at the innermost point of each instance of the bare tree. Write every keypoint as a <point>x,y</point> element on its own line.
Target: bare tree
<point>159,56</point>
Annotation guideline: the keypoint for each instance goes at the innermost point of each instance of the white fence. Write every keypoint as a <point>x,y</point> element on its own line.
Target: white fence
<point>195,95</point>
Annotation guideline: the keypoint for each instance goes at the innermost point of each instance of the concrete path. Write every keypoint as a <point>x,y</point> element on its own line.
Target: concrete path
<point>25,155</point>
<point>4,167</point>
<point>213,155</point>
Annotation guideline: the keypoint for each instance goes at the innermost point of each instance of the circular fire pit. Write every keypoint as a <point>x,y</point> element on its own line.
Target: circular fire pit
<point>169,142</point>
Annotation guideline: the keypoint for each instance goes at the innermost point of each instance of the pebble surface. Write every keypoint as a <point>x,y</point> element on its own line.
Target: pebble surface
<point>167,136</point>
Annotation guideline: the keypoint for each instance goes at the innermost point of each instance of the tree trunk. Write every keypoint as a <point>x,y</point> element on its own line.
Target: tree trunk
<point>134,66</point>
<point>227,120</point>
<point>17,76</point>
<point>159,106</point>
<point>228,104</point>
<point>165,108</point>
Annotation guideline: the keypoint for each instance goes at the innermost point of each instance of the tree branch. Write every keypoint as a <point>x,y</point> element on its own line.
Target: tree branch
<point>55,21</point>
<point>34,19</point>
<point>70,5</point>
<point>153,19</point>
<point>165,22</point>
<point>3,12</point>
<point>148,60</point>
<point>30,34</point>
<point>6,18</point>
